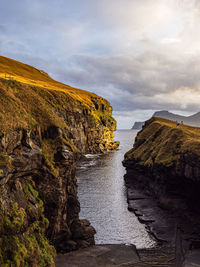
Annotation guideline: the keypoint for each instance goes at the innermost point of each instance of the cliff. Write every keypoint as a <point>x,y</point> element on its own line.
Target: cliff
<point>167,155</point>
<point>44,127</point>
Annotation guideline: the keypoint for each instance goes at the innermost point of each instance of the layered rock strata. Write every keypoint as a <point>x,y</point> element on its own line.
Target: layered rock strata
<point>44,128</point>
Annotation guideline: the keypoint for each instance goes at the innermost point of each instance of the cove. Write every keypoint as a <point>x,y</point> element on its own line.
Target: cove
<point>103,197</point>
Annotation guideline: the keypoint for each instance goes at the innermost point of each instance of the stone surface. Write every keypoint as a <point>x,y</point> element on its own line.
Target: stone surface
<point>117,255</point>
<point>101,255</point>
<point>192,259</point>
<point>163,168</point>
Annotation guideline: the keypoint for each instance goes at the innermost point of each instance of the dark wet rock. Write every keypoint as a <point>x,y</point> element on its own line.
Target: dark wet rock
<point>101,256</point>
<point>67,245</point>
<point>158,221</point>
<point>117,255</point>
<point>39,150</point>
<point>157,257</point>
<point>163,167</point>
<point>82,230</point>
<point>84,243</point>
<point>192,259</point>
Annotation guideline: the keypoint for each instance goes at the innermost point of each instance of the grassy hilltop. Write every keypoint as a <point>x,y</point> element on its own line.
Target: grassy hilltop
<point>161,141</point>
<point>29,75</point>
<point>29,98</point>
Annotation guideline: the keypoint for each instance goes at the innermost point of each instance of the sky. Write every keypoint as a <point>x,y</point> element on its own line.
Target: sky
<point>141,55</point>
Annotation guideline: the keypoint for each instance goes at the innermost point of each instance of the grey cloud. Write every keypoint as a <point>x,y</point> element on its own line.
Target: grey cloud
<point>132,82</point>
<point>2,28</point>
<point>116,49</point>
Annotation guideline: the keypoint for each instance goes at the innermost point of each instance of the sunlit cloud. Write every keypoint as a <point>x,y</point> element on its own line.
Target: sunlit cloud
<point>140,55</point>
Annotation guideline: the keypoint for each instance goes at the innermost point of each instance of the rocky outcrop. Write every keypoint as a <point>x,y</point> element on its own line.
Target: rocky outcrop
<point>44,128</point>
<point>168,155</point>
<point>163,184</point>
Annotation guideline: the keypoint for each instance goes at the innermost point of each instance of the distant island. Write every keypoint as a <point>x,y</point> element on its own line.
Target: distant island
<point>193,120</point>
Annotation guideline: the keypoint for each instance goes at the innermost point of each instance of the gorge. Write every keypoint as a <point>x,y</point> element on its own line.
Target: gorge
<point>103,197</point>
<point>46,128</point>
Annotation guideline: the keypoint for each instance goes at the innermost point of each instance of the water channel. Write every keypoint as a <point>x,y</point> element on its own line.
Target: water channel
<point>102,194</point>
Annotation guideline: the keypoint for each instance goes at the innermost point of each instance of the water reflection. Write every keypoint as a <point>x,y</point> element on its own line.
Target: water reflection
<point>102,195</point>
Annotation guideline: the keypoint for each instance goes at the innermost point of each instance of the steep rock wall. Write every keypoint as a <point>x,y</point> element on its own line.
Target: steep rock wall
<point>165,160</point>
<point>43,131</point>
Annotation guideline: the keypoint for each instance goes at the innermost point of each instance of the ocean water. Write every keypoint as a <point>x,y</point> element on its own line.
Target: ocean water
<point>102,195</point>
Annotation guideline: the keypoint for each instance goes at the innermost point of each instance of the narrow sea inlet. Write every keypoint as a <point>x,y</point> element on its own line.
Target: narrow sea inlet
<point>102,195</point>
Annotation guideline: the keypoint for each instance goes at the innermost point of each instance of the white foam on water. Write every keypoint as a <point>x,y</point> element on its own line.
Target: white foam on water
<point>89,156</point>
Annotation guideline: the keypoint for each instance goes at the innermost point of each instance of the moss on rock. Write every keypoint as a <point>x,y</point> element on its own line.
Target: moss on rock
<point>23,248</point>
<point>44,124</point>
<point>4,161</point>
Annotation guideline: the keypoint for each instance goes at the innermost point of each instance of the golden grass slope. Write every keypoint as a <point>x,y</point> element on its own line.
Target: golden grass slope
<point>29,75</point>
<point>161,141</point>
<point>30,98</point>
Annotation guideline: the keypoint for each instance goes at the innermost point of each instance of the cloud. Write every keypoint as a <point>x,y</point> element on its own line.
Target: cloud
<point>151,79</point>
<point>140,55</point>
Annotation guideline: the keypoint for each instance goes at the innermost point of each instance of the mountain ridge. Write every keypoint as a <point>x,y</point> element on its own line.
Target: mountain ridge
<point>192,120</point>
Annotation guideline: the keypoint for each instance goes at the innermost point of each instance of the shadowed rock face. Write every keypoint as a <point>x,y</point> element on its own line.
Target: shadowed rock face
<point>169,156</point>
<point>164,165</point>
<point>42,190</point>
<point>41,138</point>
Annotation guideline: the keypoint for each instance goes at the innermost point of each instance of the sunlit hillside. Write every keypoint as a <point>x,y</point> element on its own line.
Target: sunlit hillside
<point>162,141</point>
<point>189,131</point>
<point>30,98</point>
<point>13,70</point>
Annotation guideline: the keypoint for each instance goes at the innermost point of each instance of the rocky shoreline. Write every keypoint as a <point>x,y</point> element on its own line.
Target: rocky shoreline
<point>163,186</point>
<point>172,232</point>
<point>117,255</point>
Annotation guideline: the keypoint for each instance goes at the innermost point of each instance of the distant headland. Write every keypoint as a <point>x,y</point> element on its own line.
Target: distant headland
<point>193,120</point>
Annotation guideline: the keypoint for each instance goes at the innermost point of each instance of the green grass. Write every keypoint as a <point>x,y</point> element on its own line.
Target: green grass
<point>162,142</point>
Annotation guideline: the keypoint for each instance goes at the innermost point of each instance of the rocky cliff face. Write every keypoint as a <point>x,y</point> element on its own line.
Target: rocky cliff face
<point>167,157</point>
<point>44,127</point>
